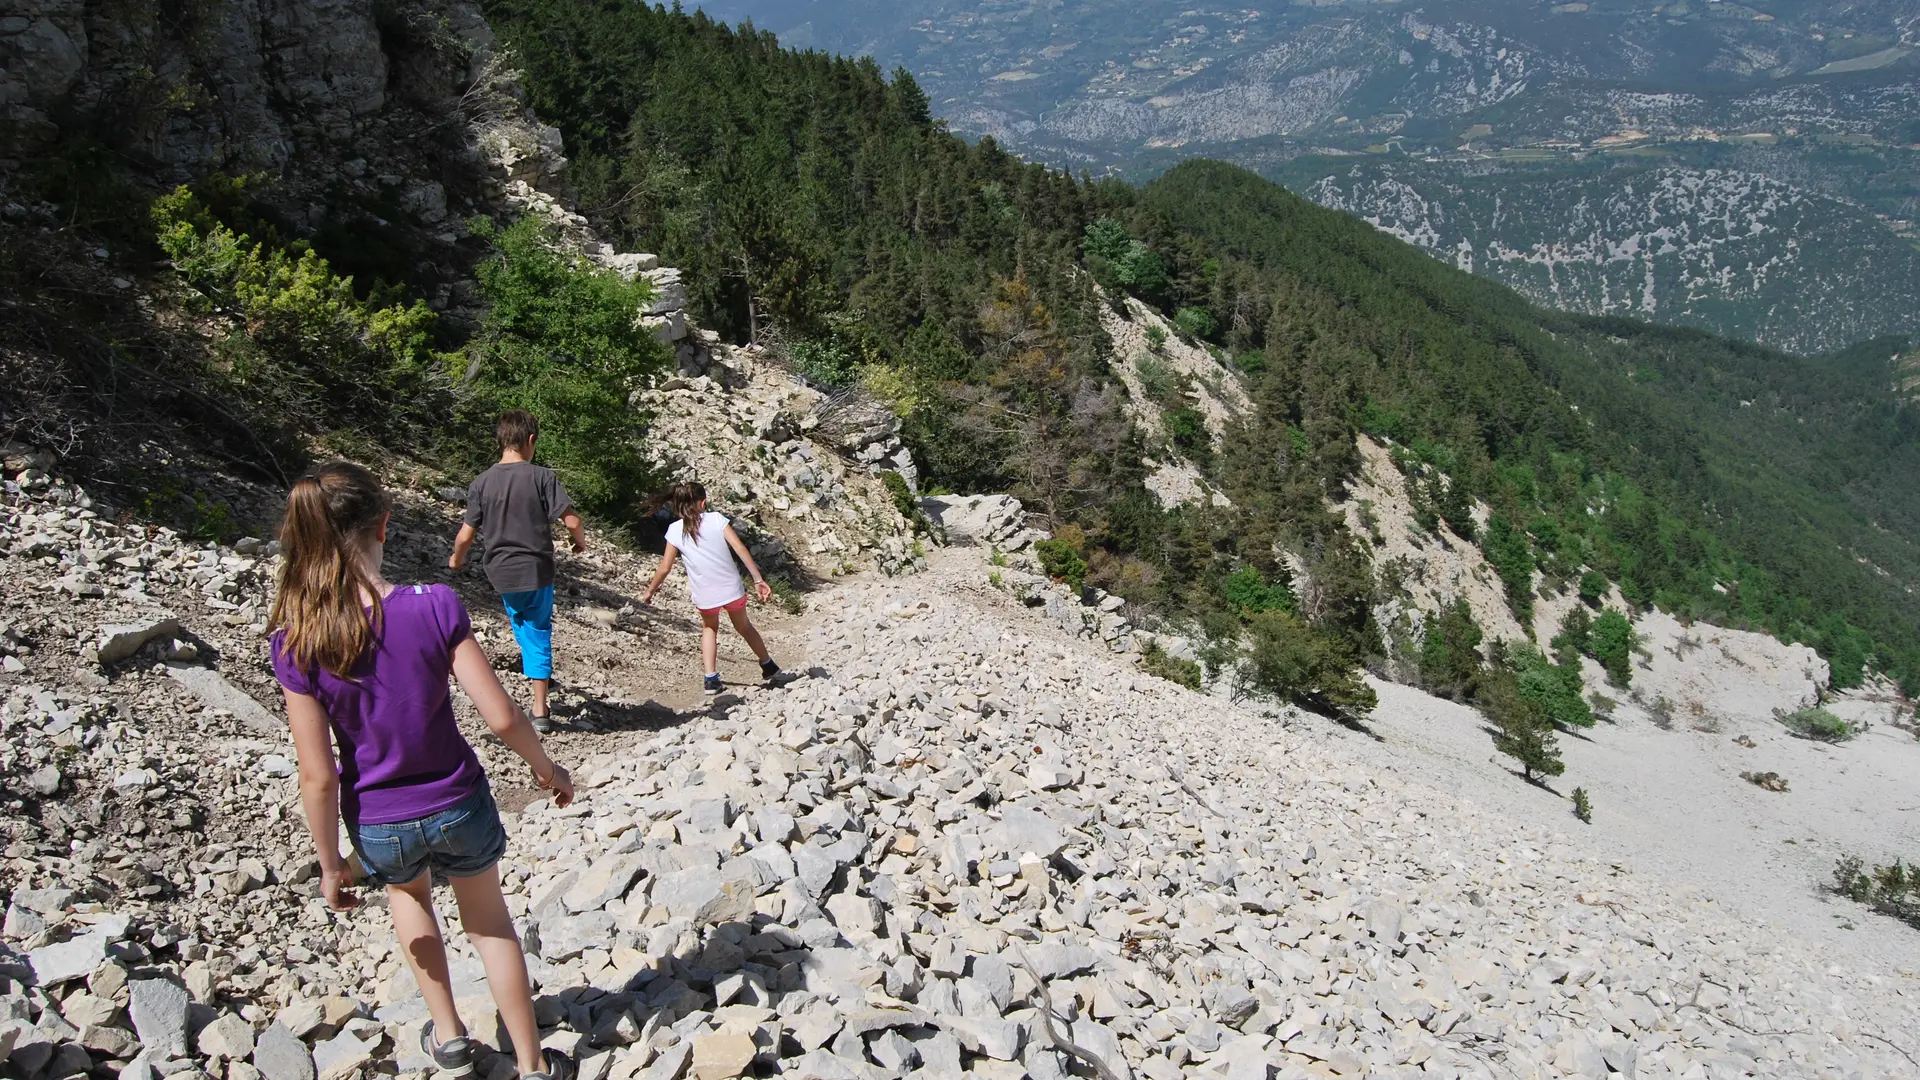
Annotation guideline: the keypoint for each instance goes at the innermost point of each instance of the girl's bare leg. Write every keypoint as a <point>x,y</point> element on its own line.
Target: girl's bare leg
<point>745,628</point>
<point>484,916</point>
<point>710,641</point>
<point>419,933</point>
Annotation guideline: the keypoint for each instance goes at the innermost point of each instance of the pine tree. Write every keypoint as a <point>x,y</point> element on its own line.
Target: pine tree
<point>1522,730</point>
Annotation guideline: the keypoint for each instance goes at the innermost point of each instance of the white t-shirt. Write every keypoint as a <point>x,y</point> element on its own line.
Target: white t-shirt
<point>712,577</point>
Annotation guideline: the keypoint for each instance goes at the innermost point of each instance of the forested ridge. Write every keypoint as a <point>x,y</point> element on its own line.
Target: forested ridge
<point>957,282</point>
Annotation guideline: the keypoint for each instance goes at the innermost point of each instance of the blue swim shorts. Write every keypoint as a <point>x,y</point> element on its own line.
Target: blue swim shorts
<point>531,615</point>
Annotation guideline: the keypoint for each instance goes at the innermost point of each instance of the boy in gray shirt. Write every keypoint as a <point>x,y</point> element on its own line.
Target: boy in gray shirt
<point>515,503</point>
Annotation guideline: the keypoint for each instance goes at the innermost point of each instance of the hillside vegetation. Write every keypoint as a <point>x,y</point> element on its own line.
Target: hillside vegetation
<point>958,282</point>
<point>813,202</point>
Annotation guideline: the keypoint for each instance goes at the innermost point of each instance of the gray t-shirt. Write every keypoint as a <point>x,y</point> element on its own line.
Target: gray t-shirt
<point>514,505</point>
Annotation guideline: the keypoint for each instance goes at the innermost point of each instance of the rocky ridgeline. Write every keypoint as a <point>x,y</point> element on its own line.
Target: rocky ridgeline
<point>784,456</point>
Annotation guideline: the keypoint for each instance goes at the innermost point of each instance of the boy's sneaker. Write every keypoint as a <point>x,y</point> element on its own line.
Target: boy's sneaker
<point>453,1057</point>
<point>559,1067</point>
<point>712,685</point>
<point>769,670</point>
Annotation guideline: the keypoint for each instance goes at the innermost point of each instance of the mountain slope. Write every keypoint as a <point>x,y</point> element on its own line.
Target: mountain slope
<point>1455,90</point>
<point>818,197</point>
<point>1734,252</point>
<point>1796,462</point>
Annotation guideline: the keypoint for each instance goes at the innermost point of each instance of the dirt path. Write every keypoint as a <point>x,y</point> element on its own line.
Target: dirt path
<point>623,671</point>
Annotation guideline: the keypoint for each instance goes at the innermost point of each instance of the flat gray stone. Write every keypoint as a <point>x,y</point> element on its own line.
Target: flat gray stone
<point>563,937</point>
<point>119,642</point>
<point>608,880</point>
<point>68,960</point>
<point>1022,830</point>
<point>705,896</point>
<point>21,924</point>
<point>280,1056</point>
<point>340,1056</point>
<point>815,866</point>
<point>1057,961</point>
<point>995,977</point>
<point>997,1039</point>
<point>228,1037</point>
<point>45,781</point>
<point>49,901</point>
<point>214,691</point>
<point>159,1012</point>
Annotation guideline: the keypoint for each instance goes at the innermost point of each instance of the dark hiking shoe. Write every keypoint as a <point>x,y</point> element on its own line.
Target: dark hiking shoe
<point>542,723</point>
<point>559,1067</point>
<point>712,686</point>
<point>769,670</point>
<point>453,1057</point>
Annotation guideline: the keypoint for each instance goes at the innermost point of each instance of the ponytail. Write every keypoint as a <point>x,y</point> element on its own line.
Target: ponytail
<point>330,511</point>
<point>685,499</point>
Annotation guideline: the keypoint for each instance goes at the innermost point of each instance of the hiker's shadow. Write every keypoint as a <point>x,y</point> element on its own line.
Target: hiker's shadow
<point>648,715</point>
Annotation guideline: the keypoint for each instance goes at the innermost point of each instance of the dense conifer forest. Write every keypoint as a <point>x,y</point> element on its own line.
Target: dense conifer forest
<point>813,198</point>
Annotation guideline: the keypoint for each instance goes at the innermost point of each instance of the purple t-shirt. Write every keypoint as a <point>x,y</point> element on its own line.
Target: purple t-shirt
<point>402,756</point>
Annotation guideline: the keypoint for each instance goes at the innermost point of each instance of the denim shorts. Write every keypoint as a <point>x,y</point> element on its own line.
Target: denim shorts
<point>463,840</point>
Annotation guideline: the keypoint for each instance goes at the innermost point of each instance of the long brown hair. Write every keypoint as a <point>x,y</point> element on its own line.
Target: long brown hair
<point>330,511</point>
<point>685,499</point>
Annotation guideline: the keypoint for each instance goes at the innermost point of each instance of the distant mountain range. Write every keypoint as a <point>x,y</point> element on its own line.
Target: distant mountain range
<point>1752,168</point>
<point>1734,251</point>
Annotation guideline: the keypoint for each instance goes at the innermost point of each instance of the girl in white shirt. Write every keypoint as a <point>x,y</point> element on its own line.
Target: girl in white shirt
<point>706,542</point>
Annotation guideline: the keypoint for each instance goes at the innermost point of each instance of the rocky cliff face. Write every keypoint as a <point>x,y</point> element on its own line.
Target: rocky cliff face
<point>347,113</point>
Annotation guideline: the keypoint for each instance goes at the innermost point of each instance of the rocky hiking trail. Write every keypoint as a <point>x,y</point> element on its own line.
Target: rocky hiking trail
<point>960,841</point>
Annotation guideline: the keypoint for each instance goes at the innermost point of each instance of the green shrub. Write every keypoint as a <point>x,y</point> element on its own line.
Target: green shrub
<point>824,363</point>
<point>561,340</point>
<point>1158,662</point>
<point>1157,379</point>
<point>1512,557</point>
<point>1575,638</point>
<point>1613,642</point>
<point>1294,662</point>
<point>1522,730</point>
<point>785,594</point>
<point>1818,724</point>
<point>316,354</point>
<point>1582,806</point>
<point>1156,336</point>
<point>1450,651</point>
<point>1222,647</point>
<point>1889,890</point>
<point>909,506</point>
<point>1248,592</point>
<point>1554,688</point>
<point>1117,259</point>
<point>1194,322</point>
<point>1062,562</point>
<point>1187,428</point>
<point>1454,503</point>
<point>1593,588</point>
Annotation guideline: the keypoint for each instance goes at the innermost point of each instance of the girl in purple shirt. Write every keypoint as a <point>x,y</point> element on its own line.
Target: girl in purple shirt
<point>364,665</point>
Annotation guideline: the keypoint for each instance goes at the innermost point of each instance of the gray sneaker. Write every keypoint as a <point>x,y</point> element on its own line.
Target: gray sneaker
<point>542,724</point>
<point>453,1057</point>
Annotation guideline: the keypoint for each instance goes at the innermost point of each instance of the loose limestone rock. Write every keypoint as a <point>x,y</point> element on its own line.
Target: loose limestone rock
<point>280,1055</point>
<point>159,1012</point>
